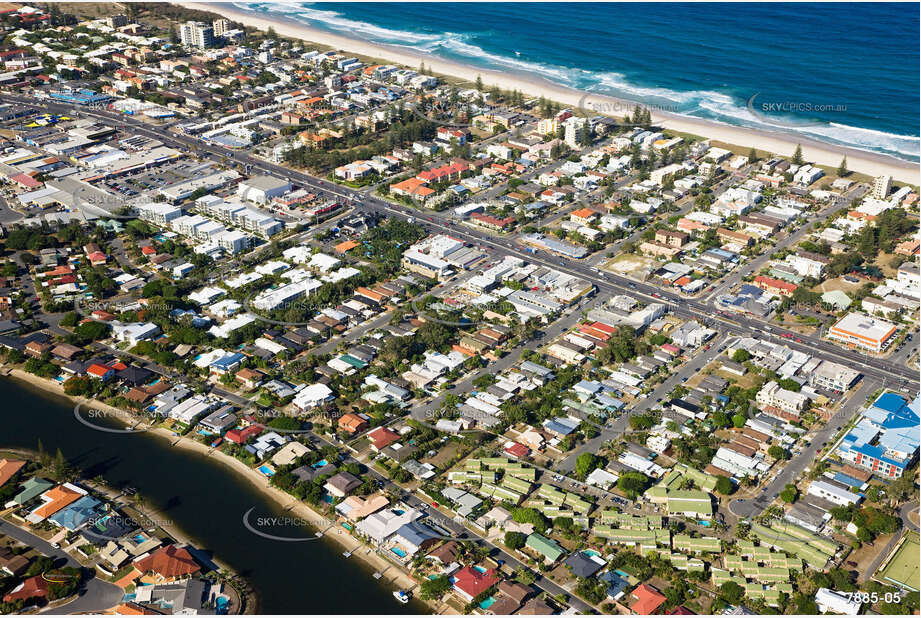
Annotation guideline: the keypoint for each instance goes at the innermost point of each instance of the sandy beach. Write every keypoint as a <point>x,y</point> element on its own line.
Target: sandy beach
<point>782,144</point>
<point>394,577</point>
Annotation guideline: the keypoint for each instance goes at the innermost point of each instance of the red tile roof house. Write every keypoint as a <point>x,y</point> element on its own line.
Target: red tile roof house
<point>32,588</point>
<point>240,436</point>
<point>382,437</point>
<point>671,349</point>
<point>775,286</point>
<point>517,450</point>
<point>100,372</point>
<point>468,582</point>
<point>648,600</point>
<point>97,258</point>
<point>168,563</point>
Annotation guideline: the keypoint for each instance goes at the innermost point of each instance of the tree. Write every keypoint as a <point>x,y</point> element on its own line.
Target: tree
<point>903,487</point>
<point>777,452</point>
<point>740,356</point>
<point>789,494</point>
<point>585,463</point>
<point>514,540</point>
<point>752,156</point>
<point>732,592</point>
<point>434,588</point>
<point>798,155</point>
<point>479,83</point>
<point>738,421</point>
<point>632,483</point>
<point>723,485</point>
<point>842,168</point>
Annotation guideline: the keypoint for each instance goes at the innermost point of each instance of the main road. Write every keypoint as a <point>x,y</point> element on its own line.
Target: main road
<point>606,282</point>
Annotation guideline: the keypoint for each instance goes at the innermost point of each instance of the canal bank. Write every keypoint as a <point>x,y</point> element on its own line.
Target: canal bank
<point>207,501</point>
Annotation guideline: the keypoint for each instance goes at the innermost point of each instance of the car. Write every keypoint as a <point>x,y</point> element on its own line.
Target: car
<point>798,340</point>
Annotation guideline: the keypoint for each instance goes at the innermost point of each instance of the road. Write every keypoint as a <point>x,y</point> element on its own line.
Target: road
<point>463,388</point>
<point>734,278</point>
<point>95,596</point>
<point>619,426</point>
<point>791,471</point>
<point>435,221</point>
<point>461,532</point>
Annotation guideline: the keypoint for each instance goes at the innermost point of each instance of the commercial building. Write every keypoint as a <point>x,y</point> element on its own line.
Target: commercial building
<point>858,330</point>
<point>262,189</point>
<point>885,441</point>
<point>834,376</point>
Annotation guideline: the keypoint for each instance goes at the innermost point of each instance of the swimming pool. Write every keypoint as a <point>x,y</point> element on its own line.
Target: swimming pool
<point>485,603</point>
<point>591,552</point>
<point>140,538</point>
<point>479,569</point>
<point>703,522</point>
<point>399,552</point>
<point>266,470</point>
<point>220,605</point>
<point>319,464</point>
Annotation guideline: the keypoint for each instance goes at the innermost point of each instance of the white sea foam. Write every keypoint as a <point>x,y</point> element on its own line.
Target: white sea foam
<point>705,104</point>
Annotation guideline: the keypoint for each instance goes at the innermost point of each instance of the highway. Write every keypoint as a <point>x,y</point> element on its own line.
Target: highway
<point>607,283</point>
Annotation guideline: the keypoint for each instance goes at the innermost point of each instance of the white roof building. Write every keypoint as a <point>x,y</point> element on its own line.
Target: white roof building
<point>830,601</point>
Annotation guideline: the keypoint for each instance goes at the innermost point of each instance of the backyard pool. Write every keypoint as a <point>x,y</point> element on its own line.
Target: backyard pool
<point>399,552</point>
<point>319,464</point>
<point>480,569</point>
<point>703,522</point>
<point>485,603</point>
<point>266,470</point>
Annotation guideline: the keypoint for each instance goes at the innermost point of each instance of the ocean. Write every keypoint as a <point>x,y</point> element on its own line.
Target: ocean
<point>842,73</point>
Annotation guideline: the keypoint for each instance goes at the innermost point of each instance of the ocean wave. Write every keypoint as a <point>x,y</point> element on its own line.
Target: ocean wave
<point>704,104</point>
<point>336,21</point>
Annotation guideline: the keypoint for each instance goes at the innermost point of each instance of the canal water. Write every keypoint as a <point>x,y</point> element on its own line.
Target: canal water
<point>206,501</point>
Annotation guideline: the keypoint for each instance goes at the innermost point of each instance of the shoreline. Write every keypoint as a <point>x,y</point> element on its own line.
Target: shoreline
<point>280,498</point>
<point>779,143</point>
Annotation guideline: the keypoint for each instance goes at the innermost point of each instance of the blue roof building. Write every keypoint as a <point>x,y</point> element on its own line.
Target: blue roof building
<point>886,439</point>
<point>78,513</point>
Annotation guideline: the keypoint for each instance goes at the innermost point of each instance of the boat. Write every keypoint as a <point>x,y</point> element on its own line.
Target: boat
<point>401,596</point>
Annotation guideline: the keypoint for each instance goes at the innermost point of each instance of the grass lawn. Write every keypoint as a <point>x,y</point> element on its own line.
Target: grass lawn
<point>903,567</point>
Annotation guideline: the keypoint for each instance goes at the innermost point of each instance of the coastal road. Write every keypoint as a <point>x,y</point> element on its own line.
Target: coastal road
<point>606,282</point>
<point>94,597</point>
<point>746,508</point>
